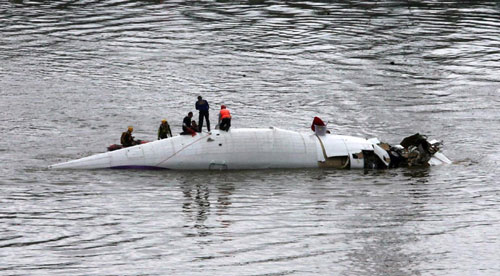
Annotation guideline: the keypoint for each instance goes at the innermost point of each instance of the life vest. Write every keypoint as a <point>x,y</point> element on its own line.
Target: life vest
<point>224,113</point>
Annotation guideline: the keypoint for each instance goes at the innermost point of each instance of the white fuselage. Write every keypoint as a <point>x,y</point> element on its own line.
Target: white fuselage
<point>235,149</point>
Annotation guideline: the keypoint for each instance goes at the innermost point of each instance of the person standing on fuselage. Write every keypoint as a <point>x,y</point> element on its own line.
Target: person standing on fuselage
<point>202,106</point>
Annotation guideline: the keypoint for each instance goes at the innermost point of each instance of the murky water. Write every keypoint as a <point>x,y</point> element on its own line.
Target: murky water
<point>75,74</point>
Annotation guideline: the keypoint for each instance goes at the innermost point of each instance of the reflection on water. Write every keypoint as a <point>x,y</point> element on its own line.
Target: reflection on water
<point>197,205</point>
<point>224,192</point>
<point>74,74</point>
<point>419,174</point>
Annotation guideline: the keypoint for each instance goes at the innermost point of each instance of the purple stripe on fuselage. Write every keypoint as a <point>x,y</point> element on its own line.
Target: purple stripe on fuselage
<point>137,167</point>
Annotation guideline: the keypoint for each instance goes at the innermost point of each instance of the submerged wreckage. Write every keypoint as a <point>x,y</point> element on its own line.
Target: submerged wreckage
<point>270,148</point>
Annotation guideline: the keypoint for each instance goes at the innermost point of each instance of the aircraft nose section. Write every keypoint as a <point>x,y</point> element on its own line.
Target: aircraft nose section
<point>91,162</point>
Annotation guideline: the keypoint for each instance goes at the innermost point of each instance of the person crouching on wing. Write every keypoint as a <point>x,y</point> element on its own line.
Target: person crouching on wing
<point>224,118</point>
<point>186,125</point>
<point>164,130</point>
<point>127,139</point>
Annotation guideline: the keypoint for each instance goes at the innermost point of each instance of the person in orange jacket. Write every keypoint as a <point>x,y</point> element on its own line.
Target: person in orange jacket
<point>224,118</point>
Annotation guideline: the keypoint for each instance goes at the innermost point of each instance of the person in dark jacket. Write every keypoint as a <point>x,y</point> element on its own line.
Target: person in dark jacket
<point>127,139</point>
<point>164,130</point>
<point>202,106</point>
<point>186,125</point>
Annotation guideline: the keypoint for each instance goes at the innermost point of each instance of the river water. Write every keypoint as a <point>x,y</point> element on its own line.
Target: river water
<point>75,74</point>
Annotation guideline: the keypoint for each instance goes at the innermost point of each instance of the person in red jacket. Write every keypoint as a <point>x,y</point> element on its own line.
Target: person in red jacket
<point>224,118</point>
<point>318,122</point>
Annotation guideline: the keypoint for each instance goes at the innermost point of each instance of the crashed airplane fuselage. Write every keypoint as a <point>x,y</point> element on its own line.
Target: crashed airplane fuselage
<point>255,149</point>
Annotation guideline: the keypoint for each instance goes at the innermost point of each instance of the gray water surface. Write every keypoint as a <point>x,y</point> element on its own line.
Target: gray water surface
<point>75,74</point>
